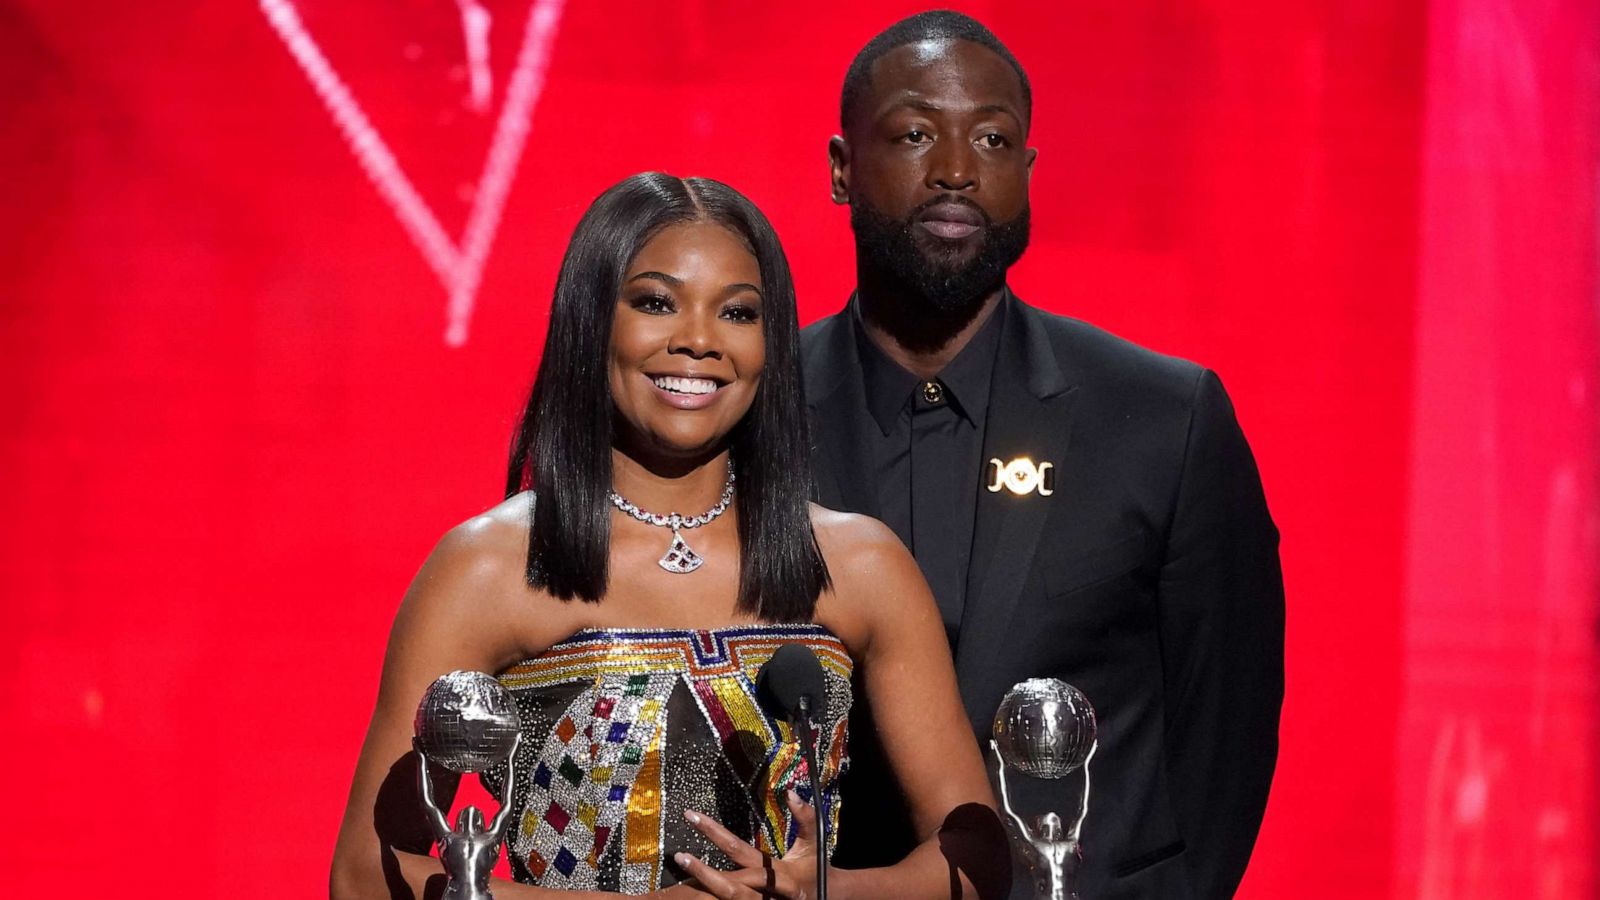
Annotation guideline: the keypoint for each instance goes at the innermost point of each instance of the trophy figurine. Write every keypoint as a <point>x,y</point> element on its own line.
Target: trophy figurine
<point>1045,728</point>
<point>467,722</point>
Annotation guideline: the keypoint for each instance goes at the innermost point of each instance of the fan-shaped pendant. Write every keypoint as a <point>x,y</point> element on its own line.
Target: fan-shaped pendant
<point>680,558</point>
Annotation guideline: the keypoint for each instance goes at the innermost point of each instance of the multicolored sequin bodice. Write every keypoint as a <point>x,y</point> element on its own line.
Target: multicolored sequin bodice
<point>624,729</point>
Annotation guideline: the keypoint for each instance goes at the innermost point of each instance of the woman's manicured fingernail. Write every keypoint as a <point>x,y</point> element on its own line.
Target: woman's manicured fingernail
<point>682,859</point>
<point>692,816</point>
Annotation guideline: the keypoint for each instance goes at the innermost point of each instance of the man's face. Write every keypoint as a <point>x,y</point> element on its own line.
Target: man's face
<point>935,170</point>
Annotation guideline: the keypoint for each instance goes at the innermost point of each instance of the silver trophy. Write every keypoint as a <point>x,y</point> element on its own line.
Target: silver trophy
<point>1045,728</point>
<point>467,722</point>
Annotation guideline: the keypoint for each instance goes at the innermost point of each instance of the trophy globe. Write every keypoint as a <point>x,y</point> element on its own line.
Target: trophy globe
<point>467,722</point>
<point>1044,728</point>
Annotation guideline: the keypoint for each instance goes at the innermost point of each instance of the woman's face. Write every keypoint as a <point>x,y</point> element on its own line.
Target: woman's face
<point>686,347</point>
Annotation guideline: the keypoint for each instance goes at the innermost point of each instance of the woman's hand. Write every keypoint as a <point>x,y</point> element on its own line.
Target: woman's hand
<point>794,877</point>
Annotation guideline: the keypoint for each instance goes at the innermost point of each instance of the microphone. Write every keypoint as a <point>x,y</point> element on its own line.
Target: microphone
<point>791,681</point>
<point>791,686</point>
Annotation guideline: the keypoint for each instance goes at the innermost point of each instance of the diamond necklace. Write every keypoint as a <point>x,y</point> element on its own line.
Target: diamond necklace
<point>679,559</point>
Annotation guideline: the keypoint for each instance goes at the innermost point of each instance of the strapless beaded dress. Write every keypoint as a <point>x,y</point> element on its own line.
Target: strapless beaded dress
<point>624,729</point>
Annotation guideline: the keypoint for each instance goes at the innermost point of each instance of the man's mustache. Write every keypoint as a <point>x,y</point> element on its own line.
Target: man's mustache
<point>945,199</point>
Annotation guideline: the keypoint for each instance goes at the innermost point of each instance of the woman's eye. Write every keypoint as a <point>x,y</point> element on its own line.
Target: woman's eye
<point>655,304</point>
<point>741,312</point>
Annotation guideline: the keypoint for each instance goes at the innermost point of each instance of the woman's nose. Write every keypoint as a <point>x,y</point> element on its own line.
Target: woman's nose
<point>695,337</point>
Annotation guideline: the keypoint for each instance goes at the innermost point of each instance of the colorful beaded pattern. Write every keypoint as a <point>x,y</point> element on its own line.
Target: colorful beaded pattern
<point>627,728</point>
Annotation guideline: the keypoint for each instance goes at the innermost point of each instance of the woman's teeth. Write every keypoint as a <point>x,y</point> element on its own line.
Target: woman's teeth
<point>685,385</point>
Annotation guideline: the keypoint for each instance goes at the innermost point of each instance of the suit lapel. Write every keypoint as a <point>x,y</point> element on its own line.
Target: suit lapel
<point>836,396</point>
<point>1030,414</point>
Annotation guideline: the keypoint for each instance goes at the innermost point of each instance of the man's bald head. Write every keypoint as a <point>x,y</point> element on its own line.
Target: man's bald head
<point>935,25</point>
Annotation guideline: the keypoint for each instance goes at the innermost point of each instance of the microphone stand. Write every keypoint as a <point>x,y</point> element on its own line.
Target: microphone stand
<point>808,746</point>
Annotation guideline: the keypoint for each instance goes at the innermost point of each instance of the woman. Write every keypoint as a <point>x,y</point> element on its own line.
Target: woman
<point>666,547</point>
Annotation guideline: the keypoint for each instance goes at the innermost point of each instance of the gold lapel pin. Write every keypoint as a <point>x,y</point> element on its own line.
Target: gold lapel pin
<point>1021,476</point>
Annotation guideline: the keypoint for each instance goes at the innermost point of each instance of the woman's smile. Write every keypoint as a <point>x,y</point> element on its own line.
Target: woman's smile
<point>686,392</point>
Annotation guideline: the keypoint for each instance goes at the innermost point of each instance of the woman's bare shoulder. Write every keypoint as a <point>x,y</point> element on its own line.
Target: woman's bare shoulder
<point>851,532</point>
<point>474,581</point>
<point>860,549</point>
<point>876,582</point>
<point>487,547</point>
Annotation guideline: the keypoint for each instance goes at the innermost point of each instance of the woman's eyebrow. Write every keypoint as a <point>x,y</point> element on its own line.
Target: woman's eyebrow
<point>658,276</point>
<point>741,287</point>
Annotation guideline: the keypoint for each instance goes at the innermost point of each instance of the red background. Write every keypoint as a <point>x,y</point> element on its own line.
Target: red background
<point>231,426</point>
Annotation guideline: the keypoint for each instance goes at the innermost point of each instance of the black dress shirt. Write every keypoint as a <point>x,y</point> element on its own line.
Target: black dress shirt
<point>928,464</point>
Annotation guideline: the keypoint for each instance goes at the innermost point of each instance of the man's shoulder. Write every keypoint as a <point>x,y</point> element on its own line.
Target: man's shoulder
<point>822,353</point>
<point>818,333</point>
<point>1097,358</point>
<point>1091,356</point>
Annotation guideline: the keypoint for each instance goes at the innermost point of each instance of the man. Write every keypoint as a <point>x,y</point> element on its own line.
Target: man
<point>1083,508</point>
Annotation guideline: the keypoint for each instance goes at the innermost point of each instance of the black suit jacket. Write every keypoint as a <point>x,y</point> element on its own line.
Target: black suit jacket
<point>1149,579</point>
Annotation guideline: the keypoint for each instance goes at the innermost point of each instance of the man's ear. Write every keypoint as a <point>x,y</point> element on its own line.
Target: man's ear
<point>1033,154</point>
<point>839,168</point>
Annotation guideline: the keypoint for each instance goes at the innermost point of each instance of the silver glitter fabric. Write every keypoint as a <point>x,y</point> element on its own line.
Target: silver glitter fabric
<point>626,729</point>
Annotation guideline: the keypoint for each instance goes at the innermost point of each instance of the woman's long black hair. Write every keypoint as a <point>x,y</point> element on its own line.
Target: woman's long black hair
<point>562,448</point>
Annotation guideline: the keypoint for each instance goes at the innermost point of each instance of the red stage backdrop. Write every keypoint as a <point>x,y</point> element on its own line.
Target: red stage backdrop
<point>274,277</point>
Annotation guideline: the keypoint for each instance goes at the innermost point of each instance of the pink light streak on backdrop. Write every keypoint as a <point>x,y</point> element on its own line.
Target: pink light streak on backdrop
<point>1497,757</point>
<point>459,267</point>
<point>231,429</point>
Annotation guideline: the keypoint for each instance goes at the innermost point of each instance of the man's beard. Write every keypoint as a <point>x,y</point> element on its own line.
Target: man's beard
<point>926,266</point>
